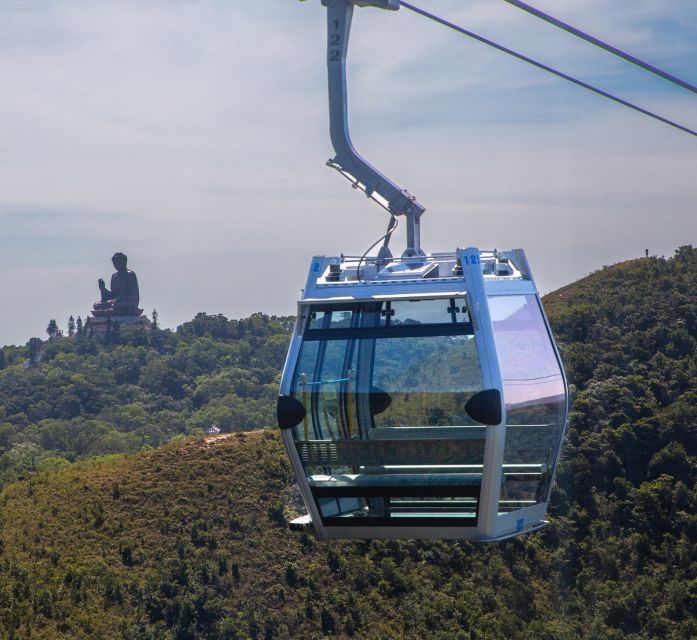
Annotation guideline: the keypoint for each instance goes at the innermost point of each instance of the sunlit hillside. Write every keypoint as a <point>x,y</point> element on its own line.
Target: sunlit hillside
<point>190,540</point>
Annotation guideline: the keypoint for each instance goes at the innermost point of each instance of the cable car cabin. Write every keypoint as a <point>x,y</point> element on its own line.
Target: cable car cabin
<point>423,399</point>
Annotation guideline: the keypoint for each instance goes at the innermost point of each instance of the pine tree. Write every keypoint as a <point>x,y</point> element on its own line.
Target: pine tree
<point>52,329</point>
<point>155,325</point>
<point>2,359</point>
<point>71,327</point>
<point>80,329</point>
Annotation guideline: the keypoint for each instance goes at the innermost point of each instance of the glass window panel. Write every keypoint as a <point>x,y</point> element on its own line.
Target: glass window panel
<point>441,311</point>
<point>535,400</point>
<point>386,437</point>
<point>340,318</point>
<point>317,319</point>
<point>390,312</point>
<point>429,380</point>
<point>398,510</point>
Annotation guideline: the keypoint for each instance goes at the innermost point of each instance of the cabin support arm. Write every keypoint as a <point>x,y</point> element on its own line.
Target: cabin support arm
<point>363,175</point>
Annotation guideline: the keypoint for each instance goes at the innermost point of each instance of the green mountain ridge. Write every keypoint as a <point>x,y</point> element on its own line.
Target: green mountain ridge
<point>190,540</point>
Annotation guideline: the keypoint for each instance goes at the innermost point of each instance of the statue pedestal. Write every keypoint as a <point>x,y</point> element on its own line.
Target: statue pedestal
<point>130,312</point>
<point>102,324</point>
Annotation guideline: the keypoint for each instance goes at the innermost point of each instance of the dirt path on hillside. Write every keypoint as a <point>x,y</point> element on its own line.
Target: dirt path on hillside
<point>220,438</point>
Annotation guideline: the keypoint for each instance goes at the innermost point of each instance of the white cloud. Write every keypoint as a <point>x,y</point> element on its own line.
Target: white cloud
<point>192,136</point>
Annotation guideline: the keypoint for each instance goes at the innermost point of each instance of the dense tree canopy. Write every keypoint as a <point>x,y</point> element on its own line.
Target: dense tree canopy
<point>78,396</point>
<point>190,541</point>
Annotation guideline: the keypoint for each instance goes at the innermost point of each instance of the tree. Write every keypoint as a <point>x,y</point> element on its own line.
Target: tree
<point>71,327</point>
<point>79,327</point>
<point>2,359</point>
<point>34,350</point>
<point>52,329</point>
<point>24,457</point>
<point>155,325</point>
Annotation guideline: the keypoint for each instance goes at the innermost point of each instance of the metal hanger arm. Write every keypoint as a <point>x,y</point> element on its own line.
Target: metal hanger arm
<point>347,160</point>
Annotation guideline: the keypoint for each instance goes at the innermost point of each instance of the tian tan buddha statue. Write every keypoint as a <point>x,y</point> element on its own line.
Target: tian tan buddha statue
<point>123,297</point>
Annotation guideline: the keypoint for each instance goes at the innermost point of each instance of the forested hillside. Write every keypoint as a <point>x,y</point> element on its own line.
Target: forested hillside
<point>71,398</point>
<point>190,541</point>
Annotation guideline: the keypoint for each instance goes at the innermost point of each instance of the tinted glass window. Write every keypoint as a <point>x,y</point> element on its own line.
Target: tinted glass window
<point>386,437</point>
<point>535,399</point>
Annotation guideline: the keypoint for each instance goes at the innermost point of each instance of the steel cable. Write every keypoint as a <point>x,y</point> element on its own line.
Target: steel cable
<point>544,67</point>
<point>603,45</point>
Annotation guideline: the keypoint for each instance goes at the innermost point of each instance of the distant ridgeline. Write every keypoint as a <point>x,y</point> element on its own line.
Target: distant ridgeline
<point>191,541</point>
<point>69,398</point>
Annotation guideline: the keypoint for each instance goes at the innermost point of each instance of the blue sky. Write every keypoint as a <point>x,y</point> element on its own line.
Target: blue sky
<point>193,136</point>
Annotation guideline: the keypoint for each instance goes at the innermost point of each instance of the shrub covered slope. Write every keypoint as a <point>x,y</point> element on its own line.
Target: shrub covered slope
<point>190,540</point>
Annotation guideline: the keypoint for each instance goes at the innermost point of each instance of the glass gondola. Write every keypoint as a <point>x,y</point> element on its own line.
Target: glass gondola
<point>422,396</point>
<point>424,401</point>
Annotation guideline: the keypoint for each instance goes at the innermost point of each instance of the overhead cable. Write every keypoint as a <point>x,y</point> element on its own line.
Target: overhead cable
<point>603,45</point>
<point>544,67</point>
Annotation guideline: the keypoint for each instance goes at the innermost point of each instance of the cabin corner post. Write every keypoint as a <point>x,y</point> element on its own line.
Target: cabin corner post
<point>486,346</point>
